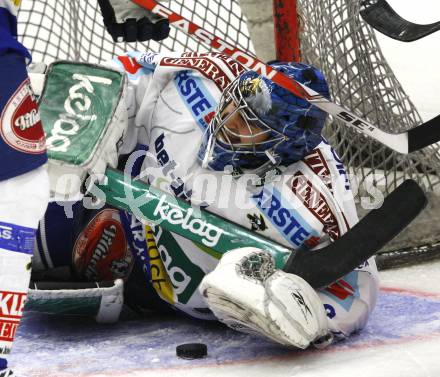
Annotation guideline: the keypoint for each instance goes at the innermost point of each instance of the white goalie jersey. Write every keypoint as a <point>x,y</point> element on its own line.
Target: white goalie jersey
<point>171,99</point>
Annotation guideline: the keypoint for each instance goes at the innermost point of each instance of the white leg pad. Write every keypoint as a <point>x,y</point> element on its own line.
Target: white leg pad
<point>247,294</point>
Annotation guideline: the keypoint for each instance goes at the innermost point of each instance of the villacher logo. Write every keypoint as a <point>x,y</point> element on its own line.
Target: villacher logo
<point>20,125</point>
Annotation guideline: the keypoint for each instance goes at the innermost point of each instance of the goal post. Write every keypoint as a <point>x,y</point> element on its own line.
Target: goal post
<point>329,34</point>
<point>287,27</point>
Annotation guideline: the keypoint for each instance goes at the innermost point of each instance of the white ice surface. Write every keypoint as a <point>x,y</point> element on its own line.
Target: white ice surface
<point>402,339</point>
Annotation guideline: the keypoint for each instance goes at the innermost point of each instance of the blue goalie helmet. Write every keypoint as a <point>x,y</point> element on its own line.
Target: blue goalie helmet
<point>259,125</point>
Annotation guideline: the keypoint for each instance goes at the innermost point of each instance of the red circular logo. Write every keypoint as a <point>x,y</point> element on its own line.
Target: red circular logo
<point>101,251</point>
<point>21,126</point>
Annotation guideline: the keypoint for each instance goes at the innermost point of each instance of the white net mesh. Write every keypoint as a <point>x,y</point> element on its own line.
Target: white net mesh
<point>337,40</point>
<point>73,29</point>
<point>362,81</point>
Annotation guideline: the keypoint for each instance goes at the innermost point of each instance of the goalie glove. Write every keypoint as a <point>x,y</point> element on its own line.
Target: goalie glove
<point>126,21</point>
<point>247,294</point>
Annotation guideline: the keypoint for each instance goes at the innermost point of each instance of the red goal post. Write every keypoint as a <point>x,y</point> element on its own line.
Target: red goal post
<point>287,24</point>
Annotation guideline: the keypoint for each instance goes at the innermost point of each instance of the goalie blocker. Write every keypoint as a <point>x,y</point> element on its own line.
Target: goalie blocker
<point>84,125</point>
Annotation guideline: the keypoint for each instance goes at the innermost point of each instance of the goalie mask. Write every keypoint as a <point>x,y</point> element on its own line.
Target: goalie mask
<point>259,124</point>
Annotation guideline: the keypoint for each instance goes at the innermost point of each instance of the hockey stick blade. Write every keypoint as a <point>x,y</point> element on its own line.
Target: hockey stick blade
<point>424,135</point>
<point>319,268</point>
<point>368,236</point>
<point>379,15</point>
<point>399,142</point>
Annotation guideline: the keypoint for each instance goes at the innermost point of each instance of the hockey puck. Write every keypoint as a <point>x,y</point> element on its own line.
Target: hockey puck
<point>191,351</point>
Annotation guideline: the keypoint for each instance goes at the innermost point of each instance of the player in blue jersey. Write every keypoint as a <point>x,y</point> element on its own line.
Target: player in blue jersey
<point>24,185</point>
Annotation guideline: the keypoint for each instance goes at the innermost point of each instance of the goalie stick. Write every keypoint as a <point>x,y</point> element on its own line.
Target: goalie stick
<point>319,267</point>
<point>405,142</point>
<point>380,15</point>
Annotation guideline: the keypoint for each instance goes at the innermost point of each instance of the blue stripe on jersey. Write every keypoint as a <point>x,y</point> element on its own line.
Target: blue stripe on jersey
<point>17,238</point>
<point>288,221</point>
<point>196,97</point>
<point>40,248</point>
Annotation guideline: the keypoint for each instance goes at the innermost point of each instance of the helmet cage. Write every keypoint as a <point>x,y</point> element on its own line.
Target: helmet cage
<point>231,141</point>
<point>261,107</point>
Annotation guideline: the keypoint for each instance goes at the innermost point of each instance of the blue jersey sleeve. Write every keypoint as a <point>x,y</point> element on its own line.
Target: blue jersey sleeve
<point>8,35</point>
<point>22,142</point>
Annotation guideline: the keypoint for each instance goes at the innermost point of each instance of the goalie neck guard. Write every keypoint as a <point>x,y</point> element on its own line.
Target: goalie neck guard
<point>259,124</point>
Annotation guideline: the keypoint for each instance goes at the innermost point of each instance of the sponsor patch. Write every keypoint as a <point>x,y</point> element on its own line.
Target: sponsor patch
<point>341,289</point>
<point>20,124</point>
<point>344,291</point>
<point>314,201</point>
<point>11,311</point>
<point>130,64</point>
<point>196,97</point>
<point>202,64</point>
<point>159,276</point>
<point>17,238</point>
<point>174,276</point>
<point>316,161</point>
<point>177,184</point>
<point>101,251</point>
<point>287,220</point>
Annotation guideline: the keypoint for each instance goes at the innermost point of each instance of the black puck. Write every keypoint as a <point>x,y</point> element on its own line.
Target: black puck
<point>191,350</point>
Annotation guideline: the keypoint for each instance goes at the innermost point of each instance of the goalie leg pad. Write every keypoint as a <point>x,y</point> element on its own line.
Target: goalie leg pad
<point>246,293</point>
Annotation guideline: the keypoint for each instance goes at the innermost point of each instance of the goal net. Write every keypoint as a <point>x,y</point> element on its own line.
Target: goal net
<point>73,29</point>
<point>326,33</point>
<point>360,79</point>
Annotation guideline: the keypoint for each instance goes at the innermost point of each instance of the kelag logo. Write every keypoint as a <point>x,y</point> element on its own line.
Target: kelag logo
<point>208,233</point>
<point>77,107</point>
